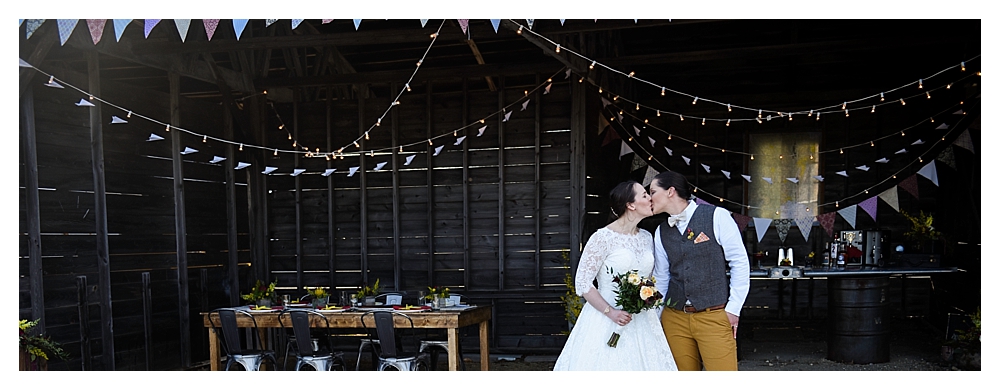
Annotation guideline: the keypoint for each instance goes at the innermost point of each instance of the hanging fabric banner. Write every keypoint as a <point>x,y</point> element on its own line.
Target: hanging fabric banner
<point>805,223</point>
<point>96,27</point>
<point>910,185</point>
<point>297,22</point>
<point>238,26</point>
<point>66,27</point>
<point>782,226</point>
<point>698,200</point>
<point>850,214</point>
<point>870,206</point>
<point>947,156</point>
<point>761,225</point>
<point>148,25</point>
<point>210,26</point>
<point>826,221</point>
<point>464,24</point>
<point>120,25</point>
<point>625,150</point>
<point>930,172</point>
<point>637,163</point>
<point>182,27</point>
<point>31,26</point>
<point>891,197</point>
<point>650,173</point>
<point>496,25</point>
<point>964,141</point>
<point>269,22</point>
<point>741,221</point>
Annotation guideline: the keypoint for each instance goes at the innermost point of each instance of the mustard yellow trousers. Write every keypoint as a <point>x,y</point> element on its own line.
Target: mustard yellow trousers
<point>697,338</point>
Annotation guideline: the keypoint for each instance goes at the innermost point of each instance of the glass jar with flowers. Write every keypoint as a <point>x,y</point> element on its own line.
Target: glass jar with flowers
<point>437,296</point>
<point>367,293</point>
<point>320,297</point>
<point>261,294</point>
<point>35,349</point>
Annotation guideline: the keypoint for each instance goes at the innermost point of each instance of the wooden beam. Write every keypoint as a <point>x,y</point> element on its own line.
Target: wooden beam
<point>481,61</point>
<point>466,214</point>
<point>83,315</point>
<point>501,222</point>
<point>578,65</point>
<point>538,185</point>
<point>232,233</point>
<point>331,55</point>
<point>33,218</point>
<point>396,228</point>
<point>180,224</point>
<point>430,185</point>
<point>577,171</point>
<point>425,74</point>
<point>330,203</point>
<point>363,191</point>
<point>299,272</point>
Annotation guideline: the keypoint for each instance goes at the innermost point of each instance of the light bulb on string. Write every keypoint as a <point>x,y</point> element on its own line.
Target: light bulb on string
<point>637,106</point>
<point>519,28</point>
<point>729,107</point>
<point>327,155</point>
<point>295,143</point>
<point>841,151</point>
<point>168,128</point>
<point>657,112</point>
<point>650,158</point>
<point>702,121</point>
<point>455,133</point>
<point>817,115</point>
<point>581,80</point>
<point>948,87</point>
<point>696,144</point>
<point>723,150</point>
<point>204,139</point>
<point>241,147</point>
<point>663,91</point>
<point>419,62</point>
<point>430,142</point>
<point>356,145</point>
<point>129,115</point>
<point>396,103</point>
<point>482,120</point>
<point>408,87</point>
<point>366,136</point>
<point>846,113</point>
<point>751,157</point>
<point>928,94</point>
<point>873,109</point>
<point>789,116</point>
<point>932,119</point>
<point>558,48</point>
<point>620,112</point>
<point>810,113</point>
<point>881,96</point>
<point>275,152</point>
<point>872,143</point>
<point>281,126</point>
<point>902,101</point>
<point>727,121</point>
<point>759,121</point>
<point>836,204</point>
<point>615,98</point>
<point>372,154</point>
<point>866,191</point>
<point>629,139</point>
<point>903,133</point>
<point>646,121</point>
<point>289,136</point>
<point>781,156</point>
<point>963,66</point>
<point>592,63</point>
<point>695,101</point>
<point>600,90</point>
<point>670,137</point>
<point>759,112</point>
<point>843,106</point>
<point>920,83</point>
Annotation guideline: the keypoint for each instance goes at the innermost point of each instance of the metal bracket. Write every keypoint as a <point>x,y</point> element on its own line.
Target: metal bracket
<point>785,272</point>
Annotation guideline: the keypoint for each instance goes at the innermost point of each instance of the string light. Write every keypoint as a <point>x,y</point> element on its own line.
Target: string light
<point>275,152</point>
<point>921,159</point>
<point>615,98</point>
<point>843,106</point>
<point>963,66</point>
<point>789,116</point>
<point>592,65</point>
<point>434,35</point>
<point>902,101</point>
<point>657,112</point>
<point>759,112</point>
<point>873,109</point>
<point>129,115</point>
<point>902,133</point>
<point>759,121</point>
<point>281,126</point>
<point>366,136</point>
<point>932,119</point>
<point>781,156</point>
<point>702,121</point>
<point>295,143</point>
<point>810,113</point>
<point>727,121</point>
<point>581,80</point>
<point>663,91</point>
<point>872,143</point>
<point>289,136</point>
<point>168,128</point>
<point>646,121</point>
<point>730,107</point>
<point>920,83</point>
<point>600,90</point>
<point>881,96</point>
<point>928,94</point>
<point>204,139</point>
<point>695,100</point>
<point>356,145</point>
<point>408,87</point>
<point>401,148</point>
<point>637,106</point>
<point>631,74</point>
<point>751,157</point>
<point>419,62</point>
<point>817,115</point>
<point>696,144</point>
<point>482,120</point>
<point>430,142</point>
<point>670,137</point>
<point>841,151</point>
<point>650,158</point>
<point>373,153</point>
<point>836,204</point>
<point>327,155</point>
<point>455,133</point>
<point>846,113</point>
<point>949,86</point>
<point>241,147</point>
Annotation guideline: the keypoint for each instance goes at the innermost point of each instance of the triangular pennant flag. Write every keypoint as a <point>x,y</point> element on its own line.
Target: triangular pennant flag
<point>863,168</point>
<point>148,25</point>
<point>297,171</point>
<point>648,178</point>
<point>188,150</point>
<point>652,141</point>
<point>352,171</point>
<point>115,119</point>
<point>328,171</point>
<point>269,22</point>
<point>707,168</point>
<point>637,163</point>
<point>850,214</point>
<point>409,159</point>
<point>805,224</point>
<point>549,87</point>
<point>182,27</point>
<point>725,173</point>
<point>506,116</point>
<point>943,126</point>
<point>918,142</point>
<point>423,22</point>
<point>464,24</point>
<point>438,150</point>
<point>910,185</point>
<point>66,27</point>
<point>604,101</point>
<point>378,167</point>
<point>768,180</point>
<point>562,22</point>
<point>31,26</point>
<point>481,131</point>
<point>120,25</point>
<point>761,225</point>
<point>960,111</point>
<point>870,206</point>
<point>930,172</point>
<point>525,104</point>
<point>609,136</point>
<point>238,26</point>
<point>882,160</point>
<point>96,27</point>
<point>947,156</point>
<point>217,159</point>
<point>496,25</point>
<point>624,150</point>
<point>670,152</point>
<point>842,173</point>
<point>619,117</point>
<point>154,137</point>
<point>566,77</point>
<point>325,21</point>
<point>700,201</point>
<point>531,22</point>
<point>793,179</point>
<point>637,131</point>
<point>826,221</point>
<point>741,221</point>
<point>19,21</point>
<point>242,165</point>
<point>357,23</point>
<point>686,160</point>
<point>901,151</point>
<point>84,103</point>
<point>210,26</point>
<point>782,226</point>
<point>458,141</point>
<point>22,63</point>
<point>269,170</point>
<point>964,141</point>
<point>891,197</point>
<point>819,178</point>
<point>747,178</point>
<point>297,22</point>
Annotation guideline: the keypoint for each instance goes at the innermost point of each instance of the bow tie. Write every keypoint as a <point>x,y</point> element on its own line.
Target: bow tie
<point>673,220</point>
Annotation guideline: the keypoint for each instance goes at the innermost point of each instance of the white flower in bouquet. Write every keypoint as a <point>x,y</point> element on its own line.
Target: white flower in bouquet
<point>634,278</point>
<point>646,291</point>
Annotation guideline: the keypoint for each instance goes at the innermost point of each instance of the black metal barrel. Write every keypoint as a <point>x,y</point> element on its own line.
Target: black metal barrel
<point>858,322</point>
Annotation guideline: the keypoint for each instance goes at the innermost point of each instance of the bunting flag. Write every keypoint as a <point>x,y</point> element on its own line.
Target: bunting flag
<point>964,141</point>
<point>297,171</point>
<point>882,160</point>
<point>66,27</point>
<point>116,119</point>
<point>850,214</point>
<point>148,25</point>
<point>625,150</point>
<point>325,21</point>
<point>842,173</point>
<point>707,168</point>
<point>670,152</point>
<point>210,25</point>
<point>782,226</point>
<point>891,197</point>
<point>863,168</point>
<point>943,126</point>
<point>947,156</point>
<point>464,24</point>
<point>602,124</point>
<point>960,111</point>
<point>826,221</point>
<point>423,22</point>
<point>910,185</point>
<point>379,166</point>
<point>686,160</point>
<point>238,26</point>
<point>566,77</point>
<point>793,179</point>
<point>96,27</point>
<point>52,82</point>
<point>761,225</point>
<point>562,22</point>
<point>188,150</point>
<point>609,136</point>
<point>805,223</point>
<point>637,131</point>
<point>768,180</point>
<point>652,141</point>
<point>698,200</point>
<point>741,221</point>
<point>297,22</point>
<point>747,178</point>
<point>120,25</point>
<point>328,172</point>
<point>870,206</point>
<point>19,21</point>
<point>217,159</point>
<point>409,159</point>
<point>819,178</point>
<point>506,117</point>
<point>269,170</point>
<point>182,27</point>
<point>438,150</point>
<point>549,87</point>
<point>604,101</point>
<point>357,23</point>
<point>481,131</point>
<point>154,137</point>
<point>930,172</point>
<point>458,141</point>
<point>725,173</point>
<point>525,104</point>
<point>31,26</point>
<point>637,163</point>
<point>901,151</point>
<point>242,165</point>
<point>531,22</point>
<point>353,170</point>
<point>918,142</point>
<point>496,25</point>
<point>269,22</point>
<point>84,103</point>
<point>650,173</point>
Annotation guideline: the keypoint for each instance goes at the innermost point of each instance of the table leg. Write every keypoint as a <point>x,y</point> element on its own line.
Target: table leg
<point>452,349</point>
<point>213,350</point>
<point>484,347</point>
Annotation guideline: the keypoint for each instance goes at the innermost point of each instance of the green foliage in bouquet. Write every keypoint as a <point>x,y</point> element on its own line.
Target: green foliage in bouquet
<point>38,346</point>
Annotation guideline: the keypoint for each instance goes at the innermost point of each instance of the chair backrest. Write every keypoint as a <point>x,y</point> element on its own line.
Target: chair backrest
<point>385,328</point>
<point>230,331</point>
<point>300,321</point>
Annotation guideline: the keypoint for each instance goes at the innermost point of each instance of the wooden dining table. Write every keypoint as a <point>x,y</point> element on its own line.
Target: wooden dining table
<point>449,319</point>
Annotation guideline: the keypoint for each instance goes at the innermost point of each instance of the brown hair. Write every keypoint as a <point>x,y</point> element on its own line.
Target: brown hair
<point>669,179</point>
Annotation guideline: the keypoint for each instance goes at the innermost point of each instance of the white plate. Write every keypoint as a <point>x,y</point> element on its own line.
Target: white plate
<point>263,311</point>
<point>369,308</point>
<point>410,310</point>
<point>332,311</point>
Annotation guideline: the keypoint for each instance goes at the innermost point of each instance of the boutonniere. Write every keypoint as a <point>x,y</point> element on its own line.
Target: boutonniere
<point>690,234</point>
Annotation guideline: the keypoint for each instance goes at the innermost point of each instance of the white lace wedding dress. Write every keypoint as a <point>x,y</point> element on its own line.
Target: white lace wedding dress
<point>642,345</point>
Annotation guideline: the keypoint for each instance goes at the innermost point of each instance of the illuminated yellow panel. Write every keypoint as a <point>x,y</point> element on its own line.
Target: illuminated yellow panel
<point>781,156</point>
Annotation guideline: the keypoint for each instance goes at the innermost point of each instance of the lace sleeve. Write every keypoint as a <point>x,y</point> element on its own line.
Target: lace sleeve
<point>591,262</point>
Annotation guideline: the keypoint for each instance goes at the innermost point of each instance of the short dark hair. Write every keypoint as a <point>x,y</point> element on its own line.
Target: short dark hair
<point>621,196</point>
<point>673,179</point>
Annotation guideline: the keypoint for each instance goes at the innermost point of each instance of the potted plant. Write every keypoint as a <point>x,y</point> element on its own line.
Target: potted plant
<point>963,348</point>
<point>922,233</point>
<point>367,293</point>
<point>35,350</point>
<point>319,297</point>
<point>571,302</point>
<point>438,296</point>
<point>261,294</point>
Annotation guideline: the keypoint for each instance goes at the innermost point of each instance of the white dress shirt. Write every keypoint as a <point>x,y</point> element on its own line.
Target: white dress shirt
<point>728,235</point>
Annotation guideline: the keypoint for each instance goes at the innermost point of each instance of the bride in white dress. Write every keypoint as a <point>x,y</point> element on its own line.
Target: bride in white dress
<point>620,246</point>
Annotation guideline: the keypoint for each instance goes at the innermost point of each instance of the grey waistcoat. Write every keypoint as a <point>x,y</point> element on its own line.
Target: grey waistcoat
<point>697,271</point>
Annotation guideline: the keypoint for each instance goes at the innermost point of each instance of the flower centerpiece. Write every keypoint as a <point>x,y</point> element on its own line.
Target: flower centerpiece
<point>921,231</point>
<point>367,293</point>
<point>319,296</point>
<point>634,294</point>
<point>35,346</point>
<point>261,294</point>
<point>437,295</point>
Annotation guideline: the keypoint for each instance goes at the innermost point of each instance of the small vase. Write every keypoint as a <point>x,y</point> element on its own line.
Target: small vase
<point>318,303</point>
<point>266,302</point>
<point>440,302</point>
<point>369,301</point>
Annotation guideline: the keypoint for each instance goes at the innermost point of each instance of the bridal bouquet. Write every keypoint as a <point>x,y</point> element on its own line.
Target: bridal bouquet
<point>635,293</point>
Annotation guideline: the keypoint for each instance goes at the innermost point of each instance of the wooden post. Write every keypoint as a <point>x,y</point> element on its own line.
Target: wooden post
<point>396,230</point>
<point>101,214</point>
<point>83,311</point>
<point>147,319</point>
<point>330,204</point>
<point>577,171</point>
<point>501,243</point>
<point>232,244</point>
<point>430,186</point>
<point>33,218</point>
<point>466,215</point>
<point>363,191</point>
<point>298,201</point>
<point>538,186</point>
<point>180,226</point>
